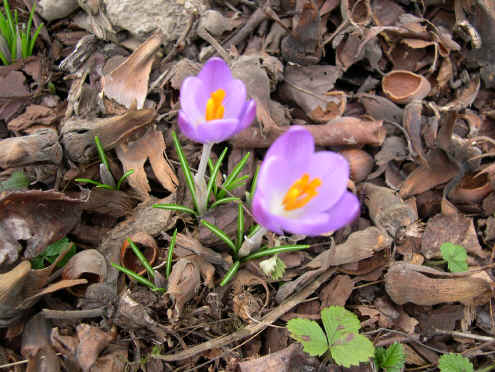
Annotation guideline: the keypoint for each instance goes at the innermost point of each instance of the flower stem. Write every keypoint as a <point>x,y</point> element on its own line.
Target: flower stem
<point>199,178</point>
<point>253,242</point>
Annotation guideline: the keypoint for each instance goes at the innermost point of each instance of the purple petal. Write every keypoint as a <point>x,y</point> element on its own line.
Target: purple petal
<point>235,99</point>
<point>193,98</point>
<point>275,177</point>
<point>214,131</point>
<point>296,146</point>
<point>215,74</point>
<point>186,127</point>
<point>262,215</point>
<point>312,224</point>
<point>333,171</point>
<point>248,115</point>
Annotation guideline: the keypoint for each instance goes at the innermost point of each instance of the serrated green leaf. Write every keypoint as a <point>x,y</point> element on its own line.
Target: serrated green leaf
<point>391,359</point>
<point>454,363</point>
<point>339,322</point>
<point>352,349</point>
<point>309,334</point>
<point>456,257</point>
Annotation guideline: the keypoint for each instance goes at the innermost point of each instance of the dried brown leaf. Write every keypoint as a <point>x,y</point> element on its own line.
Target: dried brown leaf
<point>133,155</point>
<point>129,81</point>
<point>37,217</point>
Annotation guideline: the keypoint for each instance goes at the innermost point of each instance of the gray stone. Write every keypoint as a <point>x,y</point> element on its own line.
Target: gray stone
<point>141,18</point>
<point>50,10</point>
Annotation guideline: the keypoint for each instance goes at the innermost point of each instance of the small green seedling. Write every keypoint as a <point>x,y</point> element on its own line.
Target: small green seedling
<point>391,359</point>
<point>454,363</point>
<point>16,181</point>
<point>15,39</point>
<point>273,267</point>
<point>342,339</point>
<point>219,193</point>
<point>456,257</point>
<point>50,254</point>
<point>105,173</point>
<point>146,265</point>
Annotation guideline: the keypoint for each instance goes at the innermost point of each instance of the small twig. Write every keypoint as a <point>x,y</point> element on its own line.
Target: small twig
<point>73,314</point>
<point>465,335</point>
<point>251,329</point>
<point>205,35</point>
<point>20,362</point>
<point>410,338</point>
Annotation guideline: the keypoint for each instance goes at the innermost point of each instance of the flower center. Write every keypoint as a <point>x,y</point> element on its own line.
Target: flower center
<point>301,192</point>
<point>214,106</point>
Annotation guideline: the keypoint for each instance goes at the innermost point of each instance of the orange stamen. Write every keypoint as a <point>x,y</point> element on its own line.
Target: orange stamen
<point>301,192</point>
<point>214,106</point>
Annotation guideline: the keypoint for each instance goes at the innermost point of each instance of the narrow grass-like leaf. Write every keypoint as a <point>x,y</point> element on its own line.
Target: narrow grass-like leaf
<point>240,226</point>
<point>30,20</point>
<point>275,250</point>
<point>135,276</point>
<point>232,271</point>
<point>237,182</point>
<point>211,167</point>
<point>3,58</point>
<point>215,230</point>
<point>101,153</point>
<point>141,258</point>
<point>228,199</point>
<point>253,185</point>
<point>186,169</point>
<point>87,180</point>
<point>105,186</point>
<point>232,176</point>
<point>170,254</point>
<point>253,230</point>
<point>124,176</point>
<point>214,172</point>
<point>33,39</point>
<point>175,207</point>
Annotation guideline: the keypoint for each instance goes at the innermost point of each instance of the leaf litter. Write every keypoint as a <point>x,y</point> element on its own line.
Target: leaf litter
<point>403,90</point>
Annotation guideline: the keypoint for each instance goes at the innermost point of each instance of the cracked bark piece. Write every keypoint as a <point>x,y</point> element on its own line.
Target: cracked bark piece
<point>78,135</point>
<point>40,147</point>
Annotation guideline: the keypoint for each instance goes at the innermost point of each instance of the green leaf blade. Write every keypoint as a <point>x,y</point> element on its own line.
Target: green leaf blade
<point>351,350</point>
<point>454,363</point>
<point>338,322</point>
<point>309,334</point>
<point>456,257</point>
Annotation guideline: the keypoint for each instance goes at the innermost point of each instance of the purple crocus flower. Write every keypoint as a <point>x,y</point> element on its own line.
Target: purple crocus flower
<point>214,105</point>
<point>302,191</point>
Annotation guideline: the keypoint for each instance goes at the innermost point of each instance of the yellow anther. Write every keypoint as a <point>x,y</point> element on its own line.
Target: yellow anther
<point>301,192</point>
<point>214,106</point>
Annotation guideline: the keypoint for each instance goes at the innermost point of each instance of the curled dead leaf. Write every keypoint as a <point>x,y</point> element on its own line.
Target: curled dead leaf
<point>472,188</point>
<point>88,264</point>
<point>360,163</point>
<point>183,283</point>
<point>129,81</point>
<point>403,86</point>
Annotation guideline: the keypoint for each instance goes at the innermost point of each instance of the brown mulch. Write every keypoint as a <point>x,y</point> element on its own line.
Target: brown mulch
<point>403,89</point>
